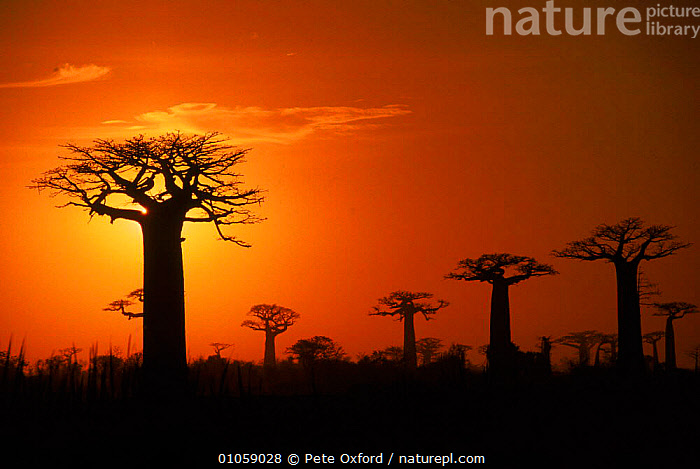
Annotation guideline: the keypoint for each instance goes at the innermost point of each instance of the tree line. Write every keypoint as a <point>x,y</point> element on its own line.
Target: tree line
<point>163,182</point>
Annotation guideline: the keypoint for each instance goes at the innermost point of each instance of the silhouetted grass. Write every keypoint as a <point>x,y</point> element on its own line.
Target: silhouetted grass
<point>83,413</point>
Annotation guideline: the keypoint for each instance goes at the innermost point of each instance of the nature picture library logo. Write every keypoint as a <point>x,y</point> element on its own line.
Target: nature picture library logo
<point>650,18</point>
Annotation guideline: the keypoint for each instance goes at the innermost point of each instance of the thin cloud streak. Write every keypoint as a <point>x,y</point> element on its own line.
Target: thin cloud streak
<point>255,124</point>
<point>64,75</point>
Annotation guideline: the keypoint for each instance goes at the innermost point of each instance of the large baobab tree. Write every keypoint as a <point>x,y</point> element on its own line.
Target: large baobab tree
<point>672,311</point>
<point>501,271</point>
<point>404,305</point>
<point>159,183</point>
<point>583,342</point>
<point>272,320</point>
<point>625,245</point>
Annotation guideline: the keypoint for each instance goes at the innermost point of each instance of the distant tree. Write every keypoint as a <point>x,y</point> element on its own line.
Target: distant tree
<point>611,341</point>
<point>404,305</point>
<point>122,305</point>
<point>652,338</point>
<point>428,348</point>
<point>272,320</point>
<point>501,271</point>
<point>159,183</point>
<point>626,245</point>
<point>315,349</point>
<point>69,353</point>
<point>394,353</point>
<point>695,355</point>
<point>583,342</point>
<point>545,352</point>
<point>219,347</point>
<point>672,311</point>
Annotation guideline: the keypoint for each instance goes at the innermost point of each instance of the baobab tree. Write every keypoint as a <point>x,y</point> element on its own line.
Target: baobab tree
<point>272,320</point>
<point>652,338</point>
<point>121,305</point>
<point>501,271</point>
<point>672,311</point>
<point>625,245</point>
<point>583,342</point>
<point>404,305</point>
<point>427,348</point>
<point>218,348</point>
<point>159,183</point>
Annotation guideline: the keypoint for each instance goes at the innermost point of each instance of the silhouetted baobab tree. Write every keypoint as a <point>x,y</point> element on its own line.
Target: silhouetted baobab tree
<point>672,311</point>
<point>583,342</point>
<point>626,245</point>
<point>501,271</point>
<point>219,347</point>
<point>122,305</point>
<point>273,320</point>
<point>427,348</point>
<point>159,183</point>
<point>404,306</point>
<point>652,338</point>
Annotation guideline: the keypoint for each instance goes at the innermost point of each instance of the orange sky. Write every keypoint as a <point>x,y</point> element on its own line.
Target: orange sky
<point>394,138</point>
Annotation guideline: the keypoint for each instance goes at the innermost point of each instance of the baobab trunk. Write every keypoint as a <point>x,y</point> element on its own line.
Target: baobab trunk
<point>501,357</point>
<point>629,323</point>
<point>409,342</point>
<point>670,344</point>
<point>164,350</point>
<point>270,359</point>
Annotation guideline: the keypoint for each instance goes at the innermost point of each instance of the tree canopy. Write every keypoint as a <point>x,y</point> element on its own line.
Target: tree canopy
<point>626,241</point>
<point>193,175</point>
<point>500,267</point>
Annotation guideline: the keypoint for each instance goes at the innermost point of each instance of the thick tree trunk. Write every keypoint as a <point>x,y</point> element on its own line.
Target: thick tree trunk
<point>629,323</point>
<point>670,344</point>
<point>409,342</point>
<point>270,359</point>
<point>501,351</point>
<point>164,350</point>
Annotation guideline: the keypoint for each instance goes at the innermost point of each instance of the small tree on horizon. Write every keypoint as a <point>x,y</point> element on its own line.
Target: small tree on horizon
<point>583,342</point>
<point>272,320</point>
<point>404,305</point>
<point>317,348</point>
<point>428,348</point>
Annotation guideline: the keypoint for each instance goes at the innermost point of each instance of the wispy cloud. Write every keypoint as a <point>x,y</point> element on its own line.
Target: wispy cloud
<point>254,124</point>
<point>64,75</point>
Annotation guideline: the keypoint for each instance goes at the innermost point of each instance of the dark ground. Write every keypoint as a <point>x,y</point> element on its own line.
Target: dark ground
<point>583,419</point>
